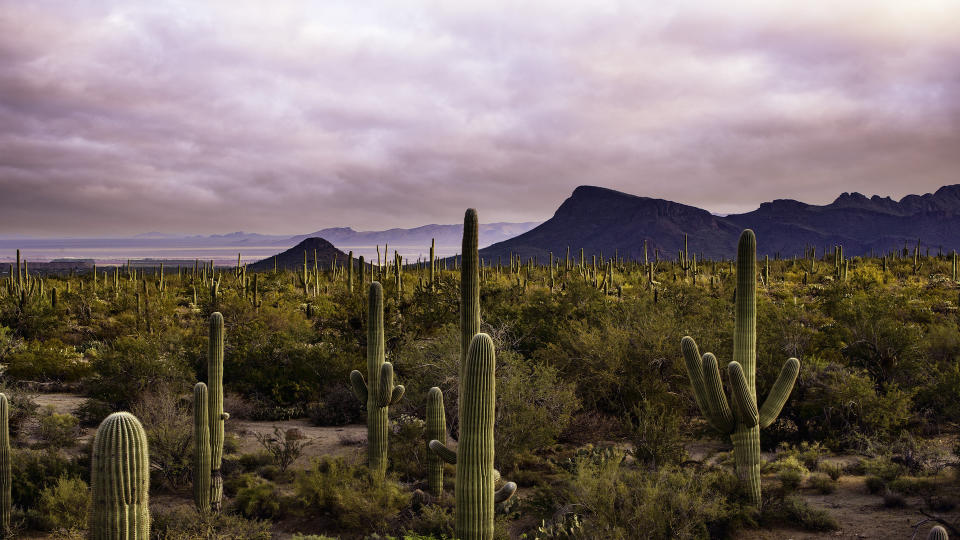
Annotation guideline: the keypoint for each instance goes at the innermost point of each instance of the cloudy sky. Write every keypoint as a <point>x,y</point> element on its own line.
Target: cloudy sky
<point>285,117</point>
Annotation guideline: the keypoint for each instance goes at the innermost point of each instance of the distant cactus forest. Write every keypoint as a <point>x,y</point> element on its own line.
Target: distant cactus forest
<point>576,395</point>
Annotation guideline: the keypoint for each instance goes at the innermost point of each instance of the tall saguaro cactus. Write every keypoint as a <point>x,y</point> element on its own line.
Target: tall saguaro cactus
<point>120,480</point>
<point>744,420</point>
<point>215,406</point>
<point>378,391</point>
<point>436,431</point>
<point>469,287</point>
<point>474,491</point>
<point>6,481</point>
<point>201,448</point>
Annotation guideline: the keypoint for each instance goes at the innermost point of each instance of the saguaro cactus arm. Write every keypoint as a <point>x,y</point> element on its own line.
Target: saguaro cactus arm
<point>359,386</point>
<point>779,392</point>
<point>388,393</point>
<point>444,453</point>
<point>707,388</point>
<point>746,404</point>
<point>504,493</point>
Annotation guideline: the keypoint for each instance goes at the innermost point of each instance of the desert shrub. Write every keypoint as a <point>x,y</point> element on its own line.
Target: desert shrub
<point>591,426</point>
<point>790,479</point>
<point>434,520</point>
<point>32,471</point>
<point>408,448</point>
<point>299,536</point>
<point>238,406</point>
<point>833,470</point>
<point>349,495</point>
<point>57,430</point>
<point>133,366</point>
<point>874,484</point>
<point>657,432</point>
<point>258,498</point>
<point>284,446</point>
<point>908,485</point>
<point>92,411</point>
<point>807,453</point>
<point>796,511</point>
<point>252,462</point>
<point>46,360</point>
<point>669,503</point>
<point>892,499</point>
<point>168,421</point>
<point>882,467</point>
<point>22,407</point>
<point>185,523</point>
<point>62,505</point>
<point>822,483</point>
<point>338,406</point>
<point>533,407</point>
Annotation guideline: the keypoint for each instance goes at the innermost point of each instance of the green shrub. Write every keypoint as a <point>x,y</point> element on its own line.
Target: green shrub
<point>833,470</point>
<point>92,411</point>
<point>47,360</point>
<point>657,428</point>
<point>338,407</point>
<point>133,366</point>
<point>908,485</point>
<point>62,505</point>
<point>790,479</point>
<point>874,484</point>
<point>22,407</point>
<point>57,430</point>
<point>184,523</point>
<point>434,520</point>
<point>892,499</point>
<point>668,503</point>
<point>168,421</point>
<point>822,483</point>
<point>407,447</point>
<point>258,499</point>
<point>349,495</point>
<point>34,470</point>
<point>796,511</point>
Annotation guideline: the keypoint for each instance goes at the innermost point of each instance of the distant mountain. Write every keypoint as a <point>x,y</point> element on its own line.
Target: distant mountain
<point>292,259</point>
<point>600,219</point>
<point>445,235</point>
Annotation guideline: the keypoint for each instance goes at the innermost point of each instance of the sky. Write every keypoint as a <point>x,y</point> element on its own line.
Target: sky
<point>286,117</point>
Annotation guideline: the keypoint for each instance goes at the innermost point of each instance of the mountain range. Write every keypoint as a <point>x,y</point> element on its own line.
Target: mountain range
<point>608,221</point>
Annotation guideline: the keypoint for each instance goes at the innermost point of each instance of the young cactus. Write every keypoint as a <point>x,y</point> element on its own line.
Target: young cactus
<point>120,480</point>
<point>436,431</point>
<point>201,448</point>
<point>938,533</point>
<point>5,469</point>
<point>744,421</point>
<point>378,391</point>
<point>474,491</point>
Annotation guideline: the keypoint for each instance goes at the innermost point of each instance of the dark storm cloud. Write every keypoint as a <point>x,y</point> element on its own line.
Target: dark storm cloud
<point>122,117</point>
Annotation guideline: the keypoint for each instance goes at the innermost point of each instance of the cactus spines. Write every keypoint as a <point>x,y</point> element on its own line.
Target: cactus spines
<point>201,448</point>
<point>436,431</point>
<point>378,391</point>
<point>6,482</point>
<point>938,533</point>
<point>215,406</point>
<point>744,420</point>
<point>120,480</point>
<point>474,491</point>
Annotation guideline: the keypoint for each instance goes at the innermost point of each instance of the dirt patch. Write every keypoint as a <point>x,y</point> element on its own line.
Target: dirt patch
<point>61,403</point>
<point>346,441</point>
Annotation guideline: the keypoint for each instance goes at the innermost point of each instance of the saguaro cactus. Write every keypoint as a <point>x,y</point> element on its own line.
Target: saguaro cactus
<point>6,481</point>
<point>744,421</point>
<point>201,448</point>
<point>436,431</point>
<point>378,391</point>
<point>474,491</point>
<point>120,480</point>
<point>938,533</point>
<point>215,406</point>
<point>469,287</point>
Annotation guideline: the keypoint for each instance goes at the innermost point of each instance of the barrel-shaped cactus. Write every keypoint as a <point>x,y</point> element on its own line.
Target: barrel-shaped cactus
<point>120,480</point>
<point>201,448</point>
<point>6,481</point>
<point>938,533</point>
<point>436,431</point>
<point>378,391</point>
<point>474,491</point>
<point>744,420</point>
<point>215,406</point>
